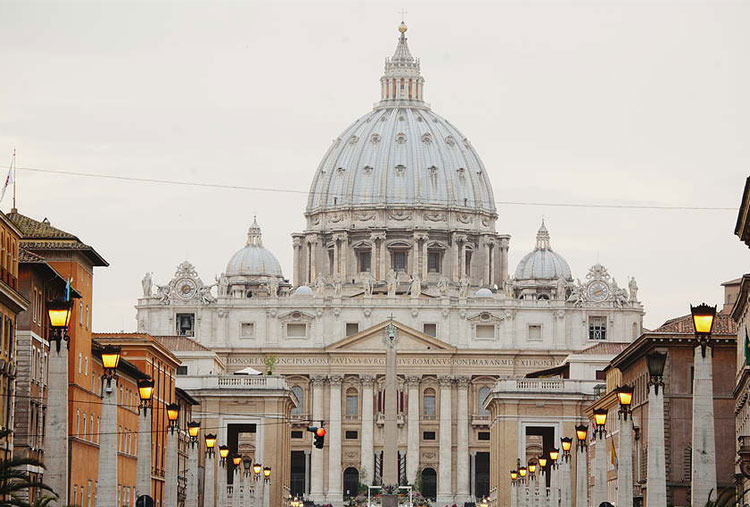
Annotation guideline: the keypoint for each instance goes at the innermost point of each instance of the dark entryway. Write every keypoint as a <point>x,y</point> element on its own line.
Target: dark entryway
<point>240,438</point>
<point>429,483</point>
<point>351,482</point>
<point>297,475</point>
<point>482,475</point>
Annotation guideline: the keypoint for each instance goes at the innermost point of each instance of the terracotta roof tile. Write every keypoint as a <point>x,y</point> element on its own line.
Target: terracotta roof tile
<point>723,324</point>
<point>181,343</point>
<point>604,349</point>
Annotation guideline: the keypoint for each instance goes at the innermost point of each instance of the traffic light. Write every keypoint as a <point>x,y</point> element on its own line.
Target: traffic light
<point>319,436</point>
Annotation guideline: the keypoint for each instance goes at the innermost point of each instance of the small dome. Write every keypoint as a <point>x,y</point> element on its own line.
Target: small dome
<point>254,259</point>
<point>483,293</point>
<point>543,263</point>
<point>303,290</point>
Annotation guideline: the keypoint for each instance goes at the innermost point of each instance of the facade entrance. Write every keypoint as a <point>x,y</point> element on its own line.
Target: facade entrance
<point>298,474</point>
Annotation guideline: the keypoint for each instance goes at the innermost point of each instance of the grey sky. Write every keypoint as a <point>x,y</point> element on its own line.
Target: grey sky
<point>589,102</point>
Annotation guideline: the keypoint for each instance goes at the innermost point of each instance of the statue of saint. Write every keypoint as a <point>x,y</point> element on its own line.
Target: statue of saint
<point>320,285</point>
<point>415,286</point>
<point>147,284</point>
<point>273,288</point>
<point>443,285</point>
<point>368,283</point>
<point>633,286</point>
<point>337,286</point>
<point>463,287</point>
<point>561,286</point>
<point>392,280</point>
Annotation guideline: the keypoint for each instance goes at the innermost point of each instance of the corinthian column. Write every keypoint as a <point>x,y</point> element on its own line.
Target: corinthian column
<point>462,441</point>
<point>316,462</point>
<point>367,451</point>
<point>334,495</point>
<point>445,487</point>
<point>412,449</point>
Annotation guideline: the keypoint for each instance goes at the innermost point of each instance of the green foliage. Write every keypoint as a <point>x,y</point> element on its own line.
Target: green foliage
<point>14,481</point>
<point>270,362</point>
<point>727,498</point>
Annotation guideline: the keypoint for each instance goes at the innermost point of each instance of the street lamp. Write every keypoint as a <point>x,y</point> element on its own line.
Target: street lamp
<point>223,454</point>
<point>110,361</point>
<point>566,443</point>
<point>146,394</point>
<point>656,361</point>
<point>210,444</point>
<point>625,396</point>
<point>532,468</point>
<point>257,469</point>
<point>59,311</point>
<point>514,475</point>
<point>522,472</point>
<point>542,462</point>
<point>247,464</point>
<point>173,413</point>
<point>554,453</point>
<point>703,323</point>
<point>194,429</point>
<point>267,474</point>
<point>600,421</point>
<point>582,433</point>
<point>237,461</point>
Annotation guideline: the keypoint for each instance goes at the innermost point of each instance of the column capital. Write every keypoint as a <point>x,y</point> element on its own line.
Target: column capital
<point>459,238</point>
<point>445,380</point>
<point>413,380</point>
<point>463,381</point>
<point>367,380</point>
<point>378,235</point>
<point>318,380</point>
<point>341,236</point>
<point>335,379</point>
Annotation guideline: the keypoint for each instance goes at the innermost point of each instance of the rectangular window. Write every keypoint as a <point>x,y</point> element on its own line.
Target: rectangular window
<point>182,370</point>
<point>485,331</point>
<point>430,329</point>
<point>247,330</point>
<point>434,259</point>
<point>352,435</point>
<point>398,261</point>
<point>428,435</point>
<point>483,435</point>
<point>296,330</point>
<point>597,328</point>
<point>364,259</point>
<point>468,262</point>
<point>297,434</point>
<point>535,332</point>
<point>185,324</point>
<point>352,328</point>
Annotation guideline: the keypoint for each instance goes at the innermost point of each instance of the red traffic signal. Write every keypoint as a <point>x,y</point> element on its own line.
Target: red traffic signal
<point>321,432</point>
<point>320,435</point>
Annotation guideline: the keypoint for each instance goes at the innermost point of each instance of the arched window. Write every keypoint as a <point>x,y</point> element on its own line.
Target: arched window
<point>429,483</point>
<point>351,482</point>
<point>300,394</point>
<point>352,402</point>
<point>483,393</point>
<point>428,403</point>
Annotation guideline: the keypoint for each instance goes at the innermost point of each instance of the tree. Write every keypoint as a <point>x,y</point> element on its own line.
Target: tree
<point>14,480</point>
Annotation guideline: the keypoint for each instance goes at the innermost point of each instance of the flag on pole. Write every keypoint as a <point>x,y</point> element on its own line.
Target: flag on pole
<point>10,177</point>
<point>67,290</point>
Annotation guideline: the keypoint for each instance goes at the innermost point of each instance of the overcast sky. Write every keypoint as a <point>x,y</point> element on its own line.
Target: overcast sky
<point>599,102</point>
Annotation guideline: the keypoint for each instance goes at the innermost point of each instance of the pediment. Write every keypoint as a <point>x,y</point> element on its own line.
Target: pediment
<point>409,340</point>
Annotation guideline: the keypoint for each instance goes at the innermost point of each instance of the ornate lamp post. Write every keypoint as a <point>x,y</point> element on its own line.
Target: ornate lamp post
<point>223,454</point>
<point>210,444</point>
<point>108,436</point>
<point>522,473</point>
<point>656,487</point>
<point>210,471</point>
<point>56,422</point>
<point>171,472</point>
<point>625,453</point>
<point>110,361</point>
<point>703,479</point>
<point>582,490</point>
<point>143,474</point>
<point>513,487</point>
<point>566,443</point>
<point>600,464</point>
<point>257,469</point>
<point>533,482</point>
<point>191,473</point>
<point>267,474</point>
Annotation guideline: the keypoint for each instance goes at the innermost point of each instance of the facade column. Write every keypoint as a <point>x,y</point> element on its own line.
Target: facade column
<point>170,472</point>
<point>307,472</point>
<point>209,497</point>
<point>625,463</point>
<point>56,424</point>
<point>297,260</point>
<point>344,257</point>
<point>106,491</point>
<point>412,445</point>
<point>143,473</point>
<point>316,461</point>
<point>656,487</point>
<point>455,270</point>
<point>425,239</point>
<point>473,476</point>
<point>334,495</point>
<point>367,449</point>
<point>374,259</point>
<point>312,245</point>
<point>582,488</point>
<point>445,471</point>
<point>336,258</point>
<point>462,441</point>
<point>383,258</point>
<point>703,479</point>
<point>191,476</point>
<point>487,276</point>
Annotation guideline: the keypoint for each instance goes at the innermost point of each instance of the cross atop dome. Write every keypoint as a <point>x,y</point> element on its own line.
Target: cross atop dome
<point>401,84</point>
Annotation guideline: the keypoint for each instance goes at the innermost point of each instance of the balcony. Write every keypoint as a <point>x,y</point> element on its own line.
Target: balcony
<point>380,419</point>
<point>525,386</point>
<point>480,420</point>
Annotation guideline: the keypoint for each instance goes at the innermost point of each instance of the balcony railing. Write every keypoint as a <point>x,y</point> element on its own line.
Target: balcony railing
<point>232,382</point>
<point>546,386</point>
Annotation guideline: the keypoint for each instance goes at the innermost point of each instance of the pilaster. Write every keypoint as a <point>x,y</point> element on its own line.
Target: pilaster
<point>334,495</point>
<point>367,450</point>
<point>445,471</point>
<point>412,449</point>
<point>317,494</point>
<point>462,441</point>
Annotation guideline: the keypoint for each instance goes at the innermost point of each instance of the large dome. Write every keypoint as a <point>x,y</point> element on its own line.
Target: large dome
<point>254,260</point>
<point>401,153</point>
<point>543,263</point>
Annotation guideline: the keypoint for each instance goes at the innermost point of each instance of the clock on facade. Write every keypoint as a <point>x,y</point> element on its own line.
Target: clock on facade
<point>186,288</point>
<point>597,291</point>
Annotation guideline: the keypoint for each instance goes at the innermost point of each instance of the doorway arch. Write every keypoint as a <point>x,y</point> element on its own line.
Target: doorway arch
<point>351,482</point>
<point>429,483</point>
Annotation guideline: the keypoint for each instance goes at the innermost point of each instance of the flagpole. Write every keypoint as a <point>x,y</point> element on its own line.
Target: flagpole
<point>15,176</point>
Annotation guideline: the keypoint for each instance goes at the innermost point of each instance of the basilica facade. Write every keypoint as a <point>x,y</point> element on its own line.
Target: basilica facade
<point>401,229</point>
